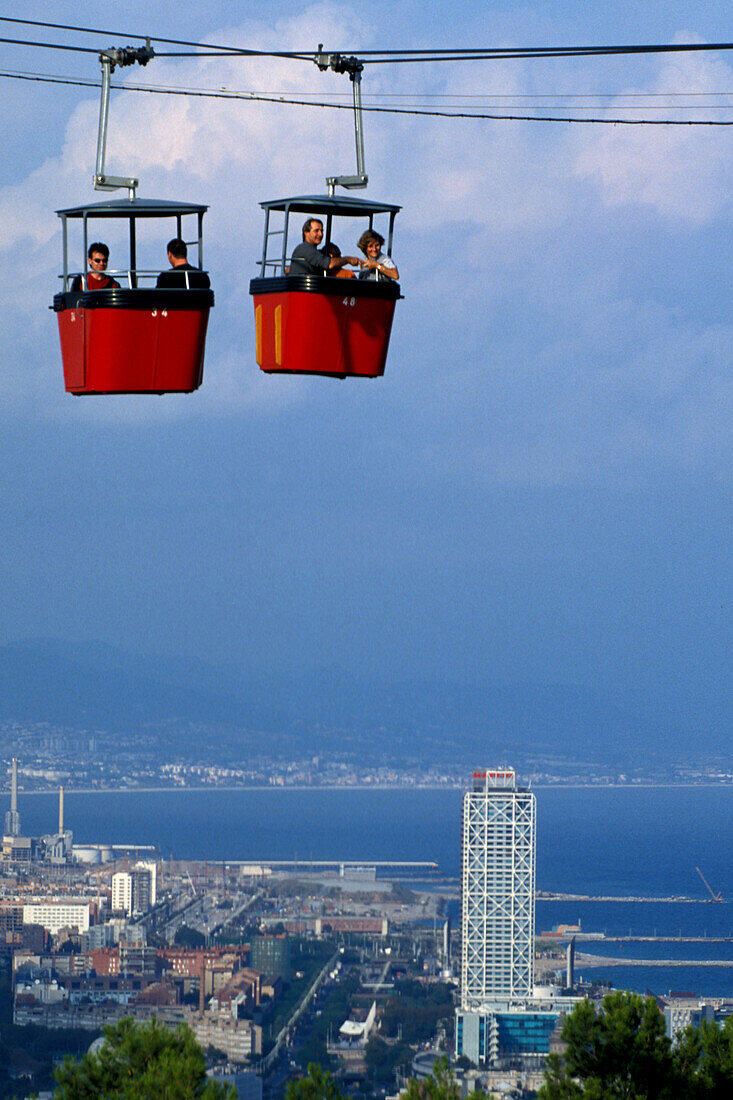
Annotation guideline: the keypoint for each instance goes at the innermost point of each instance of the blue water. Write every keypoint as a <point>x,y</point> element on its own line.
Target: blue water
<point>623,841</point>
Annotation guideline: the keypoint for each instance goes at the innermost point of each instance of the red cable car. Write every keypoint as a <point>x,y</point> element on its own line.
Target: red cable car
<point>320,324</point>
<point>134,338</point>
<point>131,337</point>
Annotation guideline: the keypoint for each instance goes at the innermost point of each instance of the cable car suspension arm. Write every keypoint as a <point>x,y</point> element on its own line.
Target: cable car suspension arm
<point>109,59</point>
<point>354,67</point>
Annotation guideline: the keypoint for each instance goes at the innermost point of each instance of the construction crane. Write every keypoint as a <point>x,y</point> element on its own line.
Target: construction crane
<point>713,895</point>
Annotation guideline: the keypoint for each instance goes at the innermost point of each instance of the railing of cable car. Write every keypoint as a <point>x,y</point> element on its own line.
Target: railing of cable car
<point>132,275</point>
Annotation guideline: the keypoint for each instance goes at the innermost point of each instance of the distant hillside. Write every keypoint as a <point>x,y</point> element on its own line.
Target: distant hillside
<point>98,686</point>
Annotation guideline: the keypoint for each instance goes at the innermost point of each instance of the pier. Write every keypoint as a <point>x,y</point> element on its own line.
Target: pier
<point>677,898</point>
<point>599,960</point>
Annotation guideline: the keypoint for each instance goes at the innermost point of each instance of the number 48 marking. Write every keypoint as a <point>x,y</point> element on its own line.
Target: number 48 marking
<point>349,302</point>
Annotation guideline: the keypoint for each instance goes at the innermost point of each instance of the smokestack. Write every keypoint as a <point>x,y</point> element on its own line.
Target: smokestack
<point>61,811</point>
<point>14,787</point>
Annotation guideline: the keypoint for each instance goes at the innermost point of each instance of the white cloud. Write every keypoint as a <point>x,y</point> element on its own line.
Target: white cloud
<point>487,206</point>
<point>679,172</point>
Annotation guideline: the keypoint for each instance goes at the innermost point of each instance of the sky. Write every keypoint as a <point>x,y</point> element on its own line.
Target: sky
<point>538,490</point>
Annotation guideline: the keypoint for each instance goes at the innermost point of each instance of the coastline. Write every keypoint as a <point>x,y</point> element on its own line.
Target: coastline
<point>199,788</point>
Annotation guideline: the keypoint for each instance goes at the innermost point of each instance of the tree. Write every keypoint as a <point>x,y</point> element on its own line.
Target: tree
<point>704,1060</point>
<point>383,1058</point>
<point>189,937</point>
<point>440,1085</point>
<point>617,1053</point>
<point>318,1084</point>
<point>141,1062</point>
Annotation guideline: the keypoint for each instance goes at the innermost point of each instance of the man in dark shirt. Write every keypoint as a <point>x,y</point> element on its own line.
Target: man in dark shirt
<point>176,278</point>
<point>97,277</point>
<point>308,258</point>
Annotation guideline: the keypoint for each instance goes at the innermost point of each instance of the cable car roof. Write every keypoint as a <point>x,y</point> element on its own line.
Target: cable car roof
<point>330,204</point>
<point>139,208</point>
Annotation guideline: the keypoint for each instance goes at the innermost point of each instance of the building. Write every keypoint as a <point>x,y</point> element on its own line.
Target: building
<point>498,884</point>
<point>502,1019</point>
<point>271,955</point>
<point>18,849</point>
<point>683,1012</point>
<point>134,891</point>
<point>239,1040</point>
<point>248,1086</point>
<point>12,817</point>
<point>152,869</point>
<point>53,916</point>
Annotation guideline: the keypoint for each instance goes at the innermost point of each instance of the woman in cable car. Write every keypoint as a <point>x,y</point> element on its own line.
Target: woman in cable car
<point>377,265</point>
<point>307,322</point>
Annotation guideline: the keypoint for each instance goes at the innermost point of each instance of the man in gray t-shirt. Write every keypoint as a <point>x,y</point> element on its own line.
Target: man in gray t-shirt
<point>308,258</point>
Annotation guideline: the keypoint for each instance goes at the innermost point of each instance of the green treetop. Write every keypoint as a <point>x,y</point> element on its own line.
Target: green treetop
<point>621,1052</point>
<point>318,1084</point>
<point>141,1062</point>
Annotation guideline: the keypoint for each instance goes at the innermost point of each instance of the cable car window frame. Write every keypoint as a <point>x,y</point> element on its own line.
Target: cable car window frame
<point>132,210</point>
<point>323,206</point>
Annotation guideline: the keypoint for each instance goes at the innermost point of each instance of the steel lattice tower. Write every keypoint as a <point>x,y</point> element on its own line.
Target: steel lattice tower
<point>498,884</point>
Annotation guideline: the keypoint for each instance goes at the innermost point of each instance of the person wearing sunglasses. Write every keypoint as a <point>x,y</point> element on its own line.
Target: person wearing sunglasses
<point>96,278</point>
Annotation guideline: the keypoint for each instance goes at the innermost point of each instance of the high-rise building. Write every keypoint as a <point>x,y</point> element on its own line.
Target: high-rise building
<point>122,892</point>
<point>498,884</point>
<point>134,891</point>
<point>12,817</point>
<point>502,1018</point>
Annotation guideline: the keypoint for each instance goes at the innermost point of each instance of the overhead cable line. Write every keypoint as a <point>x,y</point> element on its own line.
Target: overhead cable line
<point>395,57</point>
<point>415,112</point>
<point>50,45</point>
<point>490,53</point>
<point>220,51</point>
<point>460,98</point>
<point>386,57</point>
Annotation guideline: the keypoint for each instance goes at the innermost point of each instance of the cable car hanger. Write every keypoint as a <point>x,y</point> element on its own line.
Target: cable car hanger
<point>127,55</point>
<point>354,67</point>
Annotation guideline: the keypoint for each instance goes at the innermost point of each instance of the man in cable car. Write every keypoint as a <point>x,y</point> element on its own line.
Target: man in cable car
<point>308,258</point>
<point>176,278</point>
<point>96,278</point>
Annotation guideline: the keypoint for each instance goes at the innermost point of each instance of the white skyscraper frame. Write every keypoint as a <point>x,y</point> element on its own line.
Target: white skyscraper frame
<point>498,887</point>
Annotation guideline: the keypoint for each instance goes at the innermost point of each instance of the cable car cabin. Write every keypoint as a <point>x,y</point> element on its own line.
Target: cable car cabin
<point>322,324</point>
<point>135,337</point>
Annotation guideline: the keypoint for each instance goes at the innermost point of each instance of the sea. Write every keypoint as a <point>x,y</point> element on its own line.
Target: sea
<point>636,842</point>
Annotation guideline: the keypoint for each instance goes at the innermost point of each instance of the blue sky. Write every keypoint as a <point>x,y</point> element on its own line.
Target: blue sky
<point>540,487</point>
